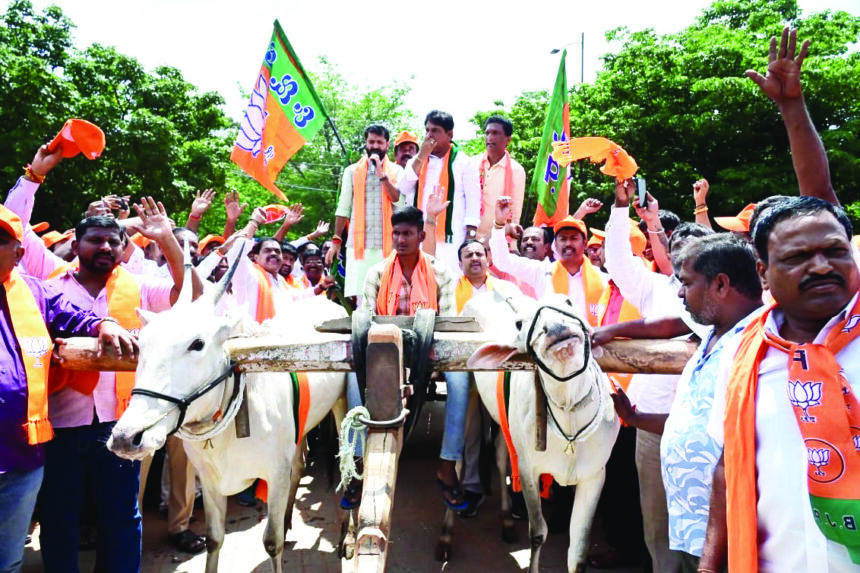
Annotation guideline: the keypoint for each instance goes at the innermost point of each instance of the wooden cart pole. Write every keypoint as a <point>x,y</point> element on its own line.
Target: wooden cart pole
<point>385,382</point>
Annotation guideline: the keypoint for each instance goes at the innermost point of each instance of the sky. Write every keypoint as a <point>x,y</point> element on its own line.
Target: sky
<point>459,56</point>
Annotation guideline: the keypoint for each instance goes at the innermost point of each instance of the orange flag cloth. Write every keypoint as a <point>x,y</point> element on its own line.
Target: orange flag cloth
<point>598,149</point>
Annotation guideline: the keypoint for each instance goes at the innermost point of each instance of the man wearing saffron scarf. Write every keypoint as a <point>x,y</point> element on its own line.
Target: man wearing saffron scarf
<point>31,314</point>
<point>500,175</point>
<point>440,162</point>
<point>84,409</point>
<point>572,274</point>
<point>367,196</point>
<point>408,280</point>
<point>786,493</point>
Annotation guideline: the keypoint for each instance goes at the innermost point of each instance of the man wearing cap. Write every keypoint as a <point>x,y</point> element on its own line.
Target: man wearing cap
<point>31,315</point>
<point>405,148</point>
<point>441,163</point>
<point>499,174</point>
<point>572,274</point>
<point>367,197</point>
<point>594,249</point>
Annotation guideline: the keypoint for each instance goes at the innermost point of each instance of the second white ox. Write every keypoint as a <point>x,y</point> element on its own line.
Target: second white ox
<point>181,353</point>
<point>582,425</point>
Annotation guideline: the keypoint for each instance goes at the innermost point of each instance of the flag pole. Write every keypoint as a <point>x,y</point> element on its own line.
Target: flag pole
<point>339,140</point>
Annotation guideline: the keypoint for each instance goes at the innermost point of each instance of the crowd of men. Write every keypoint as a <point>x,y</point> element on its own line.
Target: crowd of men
<point>748,460</point>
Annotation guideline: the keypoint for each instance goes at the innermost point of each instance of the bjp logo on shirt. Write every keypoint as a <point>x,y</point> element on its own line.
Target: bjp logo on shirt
<point>35,347</point>
<point>826,464</point>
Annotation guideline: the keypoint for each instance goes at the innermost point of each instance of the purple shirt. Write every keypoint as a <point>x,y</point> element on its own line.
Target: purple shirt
<point>63,320</point>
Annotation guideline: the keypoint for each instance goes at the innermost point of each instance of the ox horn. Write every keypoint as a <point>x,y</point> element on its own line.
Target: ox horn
<point>218,292</point>
<point>185,294</point>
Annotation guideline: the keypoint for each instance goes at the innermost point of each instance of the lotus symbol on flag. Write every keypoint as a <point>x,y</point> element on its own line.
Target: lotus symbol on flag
<point>250,136</point>
<point>818,457</point>
<point>804,395</point>
<point>856,439</point>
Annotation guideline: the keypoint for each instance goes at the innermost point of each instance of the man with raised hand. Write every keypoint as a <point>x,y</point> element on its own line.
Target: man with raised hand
<point>367,198</point>
<point>85,405</point>
<point>572,274</point>
<point>31,314</point>
<point>440,162</point>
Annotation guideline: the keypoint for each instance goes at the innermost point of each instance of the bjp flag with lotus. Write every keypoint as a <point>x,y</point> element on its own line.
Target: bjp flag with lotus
<point>283,114</point>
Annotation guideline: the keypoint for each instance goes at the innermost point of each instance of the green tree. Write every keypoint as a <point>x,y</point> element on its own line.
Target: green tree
<point>680,105</point>
<point>164,138</point>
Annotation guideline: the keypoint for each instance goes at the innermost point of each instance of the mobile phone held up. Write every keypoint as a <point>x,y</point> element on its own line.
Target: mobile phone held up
<point>641,191</point>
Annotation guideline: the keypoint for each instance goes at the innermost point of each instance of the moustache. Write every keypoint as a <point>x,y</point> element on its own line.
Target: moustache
<point>810,282</point>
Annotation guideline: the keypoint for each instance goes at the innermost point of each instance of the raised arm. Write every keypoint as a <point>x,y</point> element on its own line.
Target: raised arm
<point>657,234</point>
<point>587,207</point>
<point>782,85</point>
<point>199,206</point>
<point>156,226</point>
<point>700,196</point>
<point>295,213</point>
<point>233,210</point>
<point>436,203</point>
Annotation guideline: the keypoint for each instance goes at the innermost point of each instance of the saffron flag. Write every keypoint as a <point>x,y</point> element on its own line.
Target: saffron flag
<point>283,114</point>
<point>550,180</point>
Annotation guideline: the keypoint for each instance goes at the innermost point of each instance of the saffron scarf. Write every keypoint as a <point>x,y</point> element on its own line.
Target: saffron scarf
<point>828,415</point>
<point>424,290</point>
<point>607,309</point>
<point>463,292</point>
<point>36,345</point>
<point>446,180</point>
<point>508,190</point>
<point>359,178</point>
<point>265,296</point>
<point>123,297</point>
<point>592,285</point>
<point>301,407</point>
<point>503,400</point>
<point>298,283</point>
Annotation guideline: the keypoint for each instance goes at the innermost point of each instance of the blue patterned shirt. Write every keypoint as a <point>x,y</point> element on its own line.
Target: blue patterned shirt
<point>688,455</point>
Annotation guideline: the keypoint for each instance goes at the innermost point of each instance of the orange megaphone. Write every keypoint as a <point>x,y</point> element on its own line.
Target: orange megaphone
<point>79,136</point>
<point>274,213</point>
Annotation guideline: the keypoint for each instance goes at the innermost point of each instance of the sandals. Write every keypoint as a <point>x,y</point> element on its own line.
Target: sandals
<point>457,499</point>
<point>351,496</point>
<point>187,541</point>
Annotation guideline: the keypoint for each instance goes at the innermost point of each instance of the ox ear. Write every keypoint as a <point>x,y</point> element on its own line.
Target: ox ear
<point>145,316</point>
<point>491,355</point>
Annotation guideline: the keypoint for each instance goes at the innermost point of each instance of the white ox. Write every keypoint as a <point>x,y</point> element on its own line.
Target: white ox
<point>181,351</point>
<point>582,425</point>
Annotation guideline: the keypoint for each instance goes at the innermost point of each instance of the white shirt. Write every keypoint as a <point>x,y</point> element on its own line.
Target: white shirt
<point>654,295</point>
<point>791,540</point>
<point>537,274</point>
<point>467,192</point>
<point>245,284</point>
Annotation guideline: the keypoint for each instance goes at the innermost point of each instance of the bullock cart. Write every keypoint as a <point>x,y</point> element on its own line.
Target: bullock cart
<point>453,341</point>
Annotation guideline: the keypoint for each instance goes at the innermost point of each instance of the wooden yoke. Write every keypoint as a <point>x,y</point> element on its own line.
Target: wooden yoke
<point>385,380</point>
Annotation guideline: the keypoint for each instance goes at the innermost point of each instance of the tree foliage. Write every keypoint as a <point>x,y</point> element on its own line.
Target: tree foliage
<point>680,105</point>
<point>164,137</point>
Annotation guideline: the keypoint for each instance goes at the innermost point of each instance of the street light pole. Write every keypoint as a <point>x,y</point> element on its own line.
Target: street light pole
<point>581,44</point>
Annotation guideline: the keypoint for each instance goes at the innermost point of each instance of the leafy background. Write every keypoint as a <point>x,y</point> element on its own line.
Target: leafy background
<point>677,102</point>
